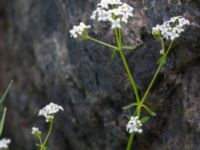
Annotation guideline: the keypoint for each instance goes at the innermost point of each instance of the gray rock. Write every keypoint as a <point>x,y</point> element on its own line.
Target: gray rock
<point>47,65</point>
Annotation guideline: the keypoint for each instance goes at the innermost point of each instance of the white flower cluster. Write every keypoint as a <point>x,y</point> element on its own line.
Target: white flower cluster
<point>4,143</point>
<point>134,125</point>
<point>35,130</point>
<point>79,30</point>
<point>171,29</point>
<point>49,110</point>
<point>113,11</point>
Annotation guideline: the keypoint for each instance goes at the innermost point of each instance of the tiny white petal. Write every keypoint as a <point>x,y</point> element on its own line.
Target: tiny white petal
<point>4,143</point>
<point>134,125</point>
<point>77,31</point>
<point>49,110</point>
<point>172,29</point>
<point>116,15</point>
<point>34,130</point>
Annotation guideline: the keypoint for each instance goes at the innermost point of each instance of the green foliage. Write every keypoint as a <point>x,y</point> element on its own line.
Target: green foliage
<point>4,109</point>
<point>129,106</point>
<point>145,119</point>
<point>5,93</point>
<point>149,111</point>
<point>162,60</point>
<point>2,121</point>
<point>113,54</point>
<point>128,47</point>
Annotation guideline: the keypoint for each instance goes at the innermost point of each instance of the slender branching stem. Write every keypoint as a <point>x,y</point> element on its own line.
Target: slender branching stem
<point>130,141</point>
<point>140,102</point>
<point>155,75</point>
<point>119,42</point>
<point>100,42</point>
<point>169,48</point>
<point>151,84</point>
<point>48,134</point>
<point>162,43</point>
<point>149,88</point>
<point>118,37</point>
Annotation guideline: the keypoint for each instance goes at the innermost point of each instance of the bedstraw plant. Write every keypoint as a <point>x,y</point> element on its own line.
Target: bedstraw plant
<point>48,112</point>
<point>117,13</point>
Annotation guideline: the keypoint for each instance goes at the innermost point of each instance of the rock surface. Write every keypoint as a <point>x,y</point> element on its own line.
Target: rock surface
<point>47,65</point>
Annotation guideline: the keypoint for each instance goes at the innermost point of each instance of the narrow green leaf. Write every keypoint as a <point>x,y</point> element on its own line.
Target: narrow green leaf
<point>113,54</point>
<point>135,113</point>
<point>129,106</point>
<point>145,119</point>
<point>129,47</point>
<point>2,121</point>
<point>6,92</point>
<point>162,60</point>
<point>149,110</point>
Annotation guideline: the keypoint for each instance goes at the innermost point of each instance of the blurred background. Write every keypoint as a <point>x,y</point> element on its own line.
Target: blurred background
<point>47,65</point>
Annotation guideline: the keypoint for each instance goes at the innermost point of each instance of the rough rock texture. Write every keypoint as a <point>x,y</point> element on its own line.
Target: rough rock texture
<point>47,65</point>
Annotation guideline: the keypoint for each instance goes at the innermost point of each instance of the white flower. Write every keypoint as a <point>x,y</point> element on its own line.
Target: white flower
<point>134,125</point>
<point>115,24</point>
<point>106,3</point>
<point>79,30</point>
<point>113,11</point>
<point>49,110</point>
<point>35,130</point>
<point>4,143</point>
<point>171,29</point>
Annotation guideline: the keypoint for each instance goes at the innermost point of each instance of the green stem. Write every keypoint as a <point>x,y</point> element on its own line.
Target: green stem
<point>155,76</point>
<point>130,141</point>
<point>147,92</point>
<point>40,140</point>
<point>48,134</point>
<point>151,84</point>
<point>119,41</point>
<point>162,43</point>
<point>118,37</point>
<point>169,48</point>
<point>130,76</point>
<point>102,43</point>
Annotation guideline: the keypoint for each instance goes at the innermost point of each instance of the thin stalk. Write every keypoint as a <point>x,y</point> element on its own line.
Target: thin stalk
<point>147,91</point>
<point>40,140</point>
<point>155,76</point>
<point>130,76</point>
<point>162,43</point>
<point>102,43</point>
<point>118,37</point>
<point>151,84</point>
<point>130,141</point>
<point>169,48</point>
<point>48,134</point>
<point>119,48</point>
<point>119,40</point>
